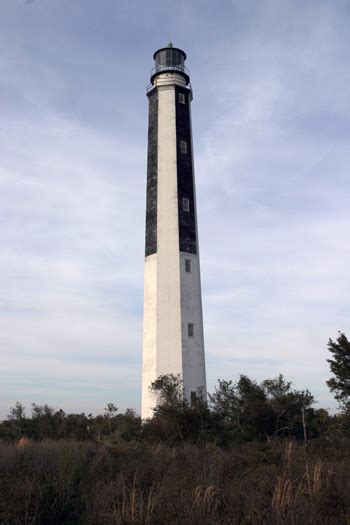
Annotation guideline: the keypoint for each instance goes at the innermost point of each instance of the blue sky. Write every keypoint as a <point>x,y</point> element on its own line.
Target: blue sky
<point>271,137</point>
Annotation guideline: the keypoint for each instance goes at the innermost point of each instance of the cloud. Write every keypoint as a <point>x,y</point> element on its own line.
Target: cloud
<point>71,269</point>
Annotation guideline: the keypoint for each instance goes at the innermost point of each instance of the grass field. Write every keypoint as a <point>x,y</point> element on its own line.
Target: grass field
<point>71,482</point>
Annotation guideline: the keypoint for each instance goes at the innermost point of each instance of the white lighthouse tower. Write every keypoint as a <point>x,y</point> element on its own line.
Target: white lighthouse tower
<point>173,341</point>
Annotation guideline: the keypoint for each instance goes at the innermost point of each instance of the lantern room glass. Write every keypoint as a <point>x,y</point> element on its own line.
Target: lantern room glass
<point>169,58</point>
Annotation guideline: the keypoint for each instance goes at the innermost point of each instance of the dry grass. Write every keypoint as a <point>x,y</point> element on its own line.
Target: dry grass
<point>132,483</point>
<point>283,498</point>
<point>207,499</point>
<point>137,505</point>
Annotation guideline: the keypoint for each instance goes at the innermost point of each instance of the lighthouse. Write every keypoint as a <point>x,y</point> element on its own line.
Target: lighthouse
<point>173,341</point>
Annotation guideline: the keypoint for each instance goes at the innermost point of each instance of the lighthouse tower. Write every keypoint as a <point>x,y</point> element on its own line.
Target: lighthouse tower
<point>173,341</point>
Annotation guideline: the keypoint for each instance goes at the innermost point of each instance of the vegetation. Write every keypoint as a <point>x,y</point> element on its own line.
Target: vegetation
<point>255,453</point>
<point>340,367</point>
<point>47,423</point>
<point>84,482</point>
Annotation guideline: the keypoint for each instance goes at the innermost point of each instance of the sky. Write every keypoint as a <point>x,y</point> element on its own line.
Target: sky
<point>271,130</point>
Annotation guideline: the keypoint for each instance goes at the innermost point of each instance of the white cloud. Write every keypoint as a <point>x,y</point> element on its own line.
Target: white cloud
<point>71,265</point>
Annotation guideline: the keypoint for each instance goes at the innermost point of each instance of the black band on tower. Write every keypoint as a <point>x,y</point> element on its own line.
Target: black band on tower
<point>185,190</point>
<point>152,174</point>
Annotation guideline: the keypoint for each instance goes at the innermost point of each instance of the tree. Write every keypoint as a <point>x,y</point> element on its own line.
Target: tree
<point>247,410</point>
<point>128,425</point>
<point>169,391</point>
<point>287,405</point>
<point>340,367</point>
<point>111,411</point>
<point>46,422</point>
<point>17,413</point>
<point>243,409</point>
<point>276,387</point>
<point>16,421</point>
<point>175,419</point>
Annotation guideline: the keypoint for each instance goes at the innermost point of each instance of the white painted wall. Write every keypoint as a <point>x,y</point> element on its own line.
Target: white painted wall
<point>191,312</point>
<point>169,358</point>
<point>149,370</point>
<point>170,79</point>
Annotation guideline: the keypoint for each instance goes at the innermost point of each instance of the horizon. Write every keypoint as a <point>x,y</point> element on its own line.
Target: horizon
<point>270,120</point>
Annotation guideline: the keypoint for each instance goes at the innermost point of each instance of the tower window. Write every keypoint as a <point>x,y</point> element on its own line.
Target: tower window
<point>183,146</point>
<point>186,204</point>
<point>188,265</point>
<point>193,398</point>
<point>200,392</point>
<point>182,99</point>
<point>190,330</point>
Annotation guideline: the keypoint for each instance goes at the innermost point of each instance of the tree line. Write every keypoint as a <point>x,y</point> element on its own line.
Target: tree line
<point>237,411</point>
